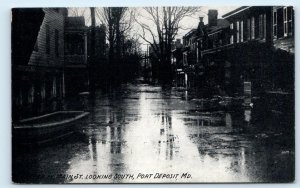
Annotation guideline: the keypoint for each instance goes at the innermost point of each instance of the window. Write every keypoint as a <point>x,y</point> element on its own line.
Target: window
<point>285,25</point>
<point>31,94</point>
<point>47,39</point>
<point>56,43</point>
<point>265,25</point>
<point>252,28</point>
<point>290,20</point>
<point>184,59</point>
<point>287,21</point>
<point>260,31</point>
<point>248,29</point>
<point>280,25</point>
<point>54,87</point>
<point>275,23</point>
<point>262,26</point>
<point>231,37</point>
<point>237,31</point>
<point>43,91</point>
<point>242,31</point>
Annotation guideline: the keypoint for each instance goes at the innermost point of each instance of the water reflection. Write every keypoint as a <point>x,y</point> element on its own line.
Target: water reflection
<point>167,138</point>
<point>148,129</point>
<point>247,115</point>
<point>228,120</point>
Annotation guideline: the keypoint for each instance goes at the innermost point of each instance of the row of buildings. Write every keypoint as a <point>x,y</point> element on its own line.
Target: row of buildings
<point>250,49</point>
<point>50,54</point>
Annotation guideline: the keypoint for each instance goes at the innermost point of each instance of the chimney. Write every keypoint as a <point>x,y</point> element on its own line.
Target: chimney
<point>212,17</point>
<point>178,43</point>
<point>201,21</point>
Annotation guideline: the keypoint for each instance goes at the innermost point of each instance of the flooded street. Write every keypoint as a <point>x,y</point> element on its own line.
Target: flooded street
<point>141,132</point>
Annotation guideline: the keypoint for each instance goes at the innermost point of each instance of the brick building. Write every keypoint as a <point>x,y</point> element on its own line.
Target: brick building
<point>198,45</point>
<point>262,41</point>
<point>251,46</point>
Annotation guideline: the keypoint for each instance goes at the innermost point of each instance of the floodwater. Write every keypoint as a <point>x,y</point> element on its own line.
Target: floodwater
<point>143,133</point>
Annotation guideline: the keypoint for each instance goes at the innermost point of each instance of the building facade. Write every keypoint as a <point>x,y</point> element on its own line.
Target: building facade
<point>251,47</point>
<point>76,56</point>
<point>263,43</point>
<point>37,61</point>
<point>198,47</point>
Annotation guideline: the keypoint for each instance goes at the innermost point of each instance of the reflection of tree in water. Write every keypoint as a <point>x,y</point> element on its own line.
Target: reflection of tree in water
<point>109,141</point>
<point>93,144</point>
<point>116,139</point>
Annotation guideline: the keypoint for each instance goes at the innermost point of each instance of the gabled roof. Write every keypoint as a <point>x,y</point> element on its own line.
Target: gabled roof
<point>235,11</point>
<point>221,24</point>
<point>202,29</point>
<point>190,33</point>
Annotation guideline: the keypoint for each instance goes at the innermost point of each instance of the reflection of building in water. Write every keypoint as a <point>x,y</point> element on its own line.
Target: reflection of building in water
<point>105,144</point>
<point>238,163</point>
<point>247,114</point>
<point>93,152</point>
<point>205,120</point>
<point>116,140</point>
<point>166,142</point>
<point>228,120</point>
<point>200,123</point>
<point>115,119</point>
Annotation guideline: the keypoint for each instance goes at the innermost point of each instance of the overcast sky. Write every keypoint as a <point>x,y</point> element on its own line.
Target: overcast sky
<point>188,23</point>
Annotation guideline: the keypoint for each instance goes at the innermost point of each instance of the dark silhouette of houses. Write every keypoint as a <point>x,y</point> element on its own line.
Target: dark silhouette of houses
<point>37,60</point>
<point>196,46</point>
<point>50,59</point>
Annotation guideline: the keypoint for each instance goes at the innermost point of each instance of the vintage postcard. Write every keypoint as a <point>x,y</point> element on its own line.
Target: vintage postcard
<point>153,94</point>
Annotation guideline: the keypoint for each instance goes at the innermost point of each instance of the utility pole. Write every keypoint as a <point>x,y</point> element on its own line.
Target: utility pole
<point>92,54</point>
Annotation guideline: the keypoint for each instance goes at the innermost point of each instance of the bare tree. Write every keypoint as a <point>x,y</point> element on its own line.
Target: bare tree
<point>80,12</point>
<point>161,27</point>
<point>119,21</point>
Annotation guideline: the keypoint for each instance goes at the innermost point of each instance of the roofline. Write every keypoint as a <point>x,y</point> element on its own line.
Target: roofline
<point>216,31</point>
<point>235,11</point>
<point>190,32</point>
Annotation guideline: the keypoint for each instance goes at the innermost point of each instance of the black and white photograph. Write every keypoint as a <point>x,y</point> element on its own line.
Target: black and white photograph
<point>161,94</point>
